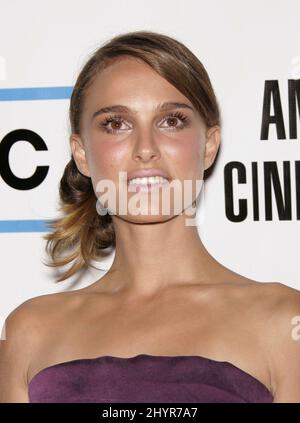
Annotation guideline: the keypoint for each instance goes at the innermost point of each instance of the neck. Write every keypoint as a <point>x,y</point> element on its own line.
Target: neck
<point>154,256</point>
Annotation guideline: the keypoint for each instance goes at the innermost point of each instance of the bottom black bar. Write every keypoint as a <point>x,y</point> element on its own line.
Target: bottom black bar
<point>135,412</point>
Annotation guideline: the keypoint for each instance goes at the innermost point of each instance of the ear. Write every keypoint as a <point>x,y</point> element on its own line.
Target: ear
<point>213,139</point>
<point>78,152</point>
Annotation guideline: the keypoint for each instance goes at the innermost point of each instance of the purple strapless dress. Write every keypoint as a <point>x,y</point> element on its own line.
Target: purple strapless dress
<point>146,378</point>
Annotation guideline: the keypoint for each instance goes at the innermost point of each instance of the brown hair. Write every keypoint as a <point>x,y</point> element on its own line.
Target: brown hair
<point>81,232</point>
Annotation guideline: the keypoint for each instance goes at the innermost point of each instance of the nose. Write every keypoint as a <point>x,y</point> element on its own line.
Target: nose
<point>146,146</point>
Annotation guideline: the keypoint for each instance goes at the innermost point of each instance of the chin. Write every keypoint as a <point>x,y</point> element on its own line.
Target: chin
<point>146,218</point>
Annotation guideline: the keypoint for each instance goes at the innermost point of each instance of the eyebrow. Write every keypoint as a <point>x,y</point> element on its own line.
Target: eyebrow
<point>119,108</point>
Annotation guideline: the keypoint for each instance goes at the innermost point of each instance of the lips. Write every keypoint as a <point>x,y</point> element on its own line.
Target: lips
<point>146,173</point>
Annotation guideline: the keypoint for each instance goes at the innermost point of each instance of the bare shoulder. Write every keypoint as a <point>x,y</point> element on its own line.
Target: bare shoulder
<point>30,315</point>
<point>22,332</point>
<point>271,294</point>
<point>274,311</point>
<point>274,302</point>
<point>18,339</point>
<point>283,309</point>
<point>282,340</point>
<point>30,318</point>
<point>281,301</point>
<point>281,291</point>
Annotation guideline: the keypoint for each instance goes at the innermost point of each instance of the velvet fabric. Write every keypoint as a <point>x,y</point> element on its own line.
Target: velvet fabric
<point>146,378</point>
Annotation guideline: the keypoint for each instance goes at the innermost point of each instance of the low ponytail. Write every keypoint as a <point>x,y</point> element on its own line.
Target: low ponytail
<point>81,232</point>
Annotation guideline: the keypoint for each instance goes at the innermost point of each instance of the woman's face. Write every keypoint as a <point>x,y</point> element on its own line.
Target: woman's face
<point>142,136</point>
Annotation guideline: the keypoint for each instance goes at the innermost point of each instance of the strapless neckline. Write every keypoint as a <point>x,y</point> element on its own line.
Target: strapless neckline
<point>151,357</point>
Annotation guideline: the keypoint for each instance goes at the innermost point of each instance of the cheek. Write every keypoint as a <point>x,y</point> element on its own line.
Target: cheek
<point>105,161</point>
<point>187,156</point>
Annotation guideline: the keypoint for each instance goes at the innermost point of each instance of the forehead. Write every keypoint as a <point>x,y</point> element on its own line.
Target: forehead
<point>132,82</point>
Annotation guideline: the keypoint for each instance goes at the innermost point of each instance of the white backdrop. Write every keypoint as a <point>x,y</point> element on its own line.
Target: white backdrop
<point>242,44</point>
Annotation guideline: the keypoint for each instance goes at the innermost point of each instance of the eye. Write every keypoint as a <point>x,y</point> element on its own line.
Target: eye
<point>114,119</point>
<point>118,120</point>
<point>175,116</point>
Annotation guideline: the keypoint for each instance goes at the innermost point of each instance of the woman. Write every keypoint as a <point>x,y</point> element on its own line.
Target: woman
<point>167,322</point>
